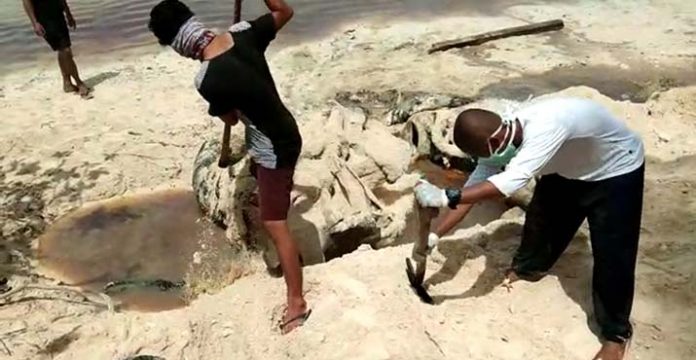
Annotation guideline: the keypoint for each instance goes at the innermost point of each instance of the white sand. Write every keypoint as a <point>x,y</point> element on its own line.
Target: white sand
<point>143,127</point>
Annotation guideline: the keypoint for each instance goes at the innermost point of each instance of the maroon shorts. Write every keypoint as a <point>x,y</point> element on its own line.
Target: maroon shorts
<point>275,186</point>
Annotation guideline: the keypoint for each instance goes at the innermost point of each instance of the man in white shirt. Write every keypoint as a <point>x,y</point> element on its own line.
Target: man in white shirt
<point>591,167</point>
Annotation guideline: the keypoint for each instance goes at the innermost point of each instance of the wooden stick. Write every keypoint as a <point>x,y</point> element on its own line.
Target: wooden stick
<point>420,245</point>
<point>108,303</point>
<point>498,34</point>
<point>225,154</point>
<point>370,195</point>
<point>7,350</point>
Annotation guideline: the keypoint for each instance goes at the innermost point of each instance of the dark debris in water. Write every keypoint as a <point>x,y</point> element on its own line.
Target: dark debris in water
<point>158,284</point>
<point>103,218</point>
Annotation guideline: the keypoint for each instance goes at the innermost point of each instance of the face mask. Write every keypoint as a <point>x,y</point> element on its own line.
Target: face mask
<point>500,158</point>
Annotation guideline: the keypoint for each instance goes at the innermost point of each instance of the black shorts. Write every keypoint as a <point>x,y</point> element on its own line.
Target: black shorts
<point>57,34</point>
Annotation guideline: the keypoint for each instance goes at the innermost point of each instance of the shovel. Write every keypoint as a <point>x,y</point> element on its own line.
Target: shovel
<point>416,274</point>
<point>225,153</point>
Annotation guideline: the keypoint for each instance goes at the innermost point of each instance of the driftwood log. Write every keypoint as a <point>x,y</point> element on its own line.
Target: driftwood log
<point>479,39</point>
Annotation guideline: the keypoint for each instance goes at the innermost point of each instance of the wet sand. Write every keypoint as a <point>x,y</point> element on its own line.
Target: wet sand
<point>143,128</point>
<point>107,26</point>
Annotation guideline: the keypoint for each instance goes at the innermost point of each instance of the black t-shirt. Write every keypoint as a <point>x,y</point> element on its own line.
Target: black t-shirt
<point>240,79</point>
<point>48,10</point>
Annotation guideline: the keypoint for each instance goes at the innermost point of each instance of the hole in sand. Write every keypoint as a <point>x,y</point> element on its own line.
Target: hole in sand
<point>146,244</point>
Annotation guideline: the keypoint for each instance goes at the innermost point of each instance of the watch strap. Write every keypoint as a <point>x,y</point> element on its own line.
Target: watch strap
<point>454,196</point>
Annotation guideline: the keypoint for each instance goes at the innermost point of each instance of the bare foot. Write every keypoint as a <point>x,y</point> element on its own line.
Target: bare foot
<point>510,277</point>
<point>611,351</point>
<point>69,88</point>
<point>295,316</point>
<point>84,91</point>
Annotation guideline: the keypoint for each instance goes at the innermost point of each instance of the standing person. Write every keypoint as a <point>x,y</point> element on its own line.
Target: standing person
<point>50,20</point>
<point>234,75</point>
<point>591,166</point>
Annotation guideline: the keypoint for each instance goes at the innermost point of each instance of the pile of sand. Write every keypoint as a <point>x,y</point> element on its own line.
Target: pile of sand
<point>146,123</point>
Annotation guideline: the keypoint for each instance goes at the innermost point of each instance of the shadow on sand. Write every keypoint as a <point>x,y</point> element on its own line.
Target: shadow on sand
<point>95,80</point>
<point>573,269</point>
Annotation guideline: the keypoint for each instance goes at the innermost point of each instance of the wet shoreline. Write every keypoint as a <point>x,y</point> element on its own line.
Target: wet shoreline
<point>108,28</point>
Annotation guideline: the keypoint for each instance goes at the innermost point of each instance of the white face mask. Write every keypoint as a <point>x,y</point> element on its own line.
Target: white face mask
<point>502,156</point>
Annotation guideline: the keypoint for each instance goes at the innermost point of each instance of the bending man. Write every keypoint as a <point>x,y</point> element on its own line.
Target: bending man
<point>234,75</point>
<point>591,167</point>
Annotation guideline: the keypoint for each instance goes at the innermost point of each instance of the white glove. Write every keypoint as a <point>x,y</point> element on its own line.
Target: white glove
<point>433,239</point>
<point>429,195</point>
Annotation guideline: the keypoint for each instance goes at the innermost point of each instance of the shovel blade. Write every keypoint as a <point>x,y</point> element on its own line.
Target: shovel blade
<point>417,283</point>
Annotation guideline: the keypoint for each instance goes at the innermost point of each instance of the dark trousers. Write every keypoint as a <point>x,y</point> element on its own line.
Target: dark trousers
<point>613,209</point>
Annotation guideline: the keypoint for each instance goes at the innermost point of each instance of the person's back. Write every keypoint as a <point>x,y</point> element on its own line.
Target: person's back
<point>234,77</point>
<point>575,138</point>
<point>609,148</point>
<point>239,78</point>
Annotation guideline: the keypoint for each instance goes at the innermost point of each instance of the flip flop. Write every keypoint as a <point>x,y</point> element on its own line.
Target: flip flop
<point>301,319</point>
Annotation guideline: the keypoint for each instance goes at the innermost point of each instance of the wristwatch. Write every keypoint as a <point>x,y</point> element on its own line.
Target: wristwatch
<point>454,196</point>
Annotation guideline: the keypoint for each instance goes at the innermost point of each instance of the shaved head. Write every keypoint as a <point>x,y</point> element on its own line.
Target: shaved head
<point>472,129</point>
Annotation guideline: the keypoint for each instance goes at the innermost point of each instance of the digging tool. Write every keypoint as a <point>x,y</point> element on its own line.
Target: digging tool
<point>416,274</point>
<point>225,153</point>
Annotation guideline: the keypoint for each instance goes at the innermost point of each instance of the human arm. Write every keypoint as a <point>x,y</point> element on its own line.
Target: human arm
<point>267,26</point>
<point>455,216</point>
<point>533,156</point>
<point>29,9</point>
<point>68,15</point>
<point>281,12</point>
<point>451,219</point>
<point>429,195</point>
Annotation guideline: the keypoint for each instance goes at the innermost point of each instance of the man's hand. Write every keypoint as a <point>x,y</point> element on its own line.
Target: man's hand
<point>429,195</point>
<point>231,118</point>
<point>39,30</point>
<point>281,11</point>
<point>71,21</point>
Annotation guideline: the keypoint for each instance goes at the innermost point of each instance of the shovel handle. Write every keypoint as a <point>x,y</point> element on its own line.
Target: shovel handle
<point>420,247</point>
<point>225,155</point>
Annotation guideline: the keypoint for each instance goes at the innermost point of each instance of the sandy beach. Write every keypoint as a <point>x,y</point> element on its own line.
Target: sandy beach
<point>146,122</point>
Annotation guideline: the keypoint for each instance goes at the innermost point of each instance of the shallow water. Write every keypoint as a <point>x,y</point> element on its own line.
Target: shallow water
<point>135,238</point>
<point>111,25</point>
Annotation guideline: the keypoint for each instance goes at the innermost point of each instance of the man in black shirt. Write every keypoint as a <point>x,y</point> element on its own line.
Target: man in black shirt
<point>234,76</point>
<point>50,20</point>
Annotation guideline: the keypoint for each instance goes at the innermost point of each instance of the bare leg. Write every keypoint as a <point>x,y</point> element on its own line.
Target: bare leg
<point>611,351</point>
<point>289,258</point>
<point>63,63</point>
<point>73,73</point>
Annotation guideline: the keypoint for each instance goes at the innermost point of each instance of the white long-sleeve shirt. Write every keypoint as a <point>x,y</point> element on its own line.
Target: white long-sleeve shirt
<point>575,138</point>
